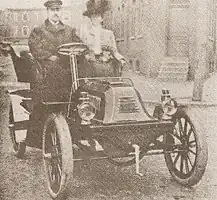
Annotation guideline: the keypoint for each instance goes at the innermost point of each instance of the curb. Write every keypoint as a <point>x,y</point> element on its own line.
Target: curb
<point>186,103</point>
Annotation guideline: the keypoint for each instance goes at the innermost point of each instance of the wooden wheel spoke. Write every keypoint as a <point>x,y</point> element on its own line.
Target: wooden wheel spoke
<point>57,158</point>
<point>52,171</point>
<point>189,150</point>
<point>193,141</point>
<point>59,171</point>
<point>54,138</point>
<point>177,158</point>
<point>180,127</point>
<point>189,134</point>
<point>185,127</point>
<point>186,165</point>
<point>175,135</point>
<point>192,144</point>
<point>181,164</point>
<point>55,173</point>
<point>189,160</point>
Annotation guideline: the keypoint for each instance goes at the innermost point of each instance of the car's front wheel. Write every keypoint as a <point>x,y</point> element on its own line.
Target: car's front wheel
<point>57,154</point>
<point>187,161</point>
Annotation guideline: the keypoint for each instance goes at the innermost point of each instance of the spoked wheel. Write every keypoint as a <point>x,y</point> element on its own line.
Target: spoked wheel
<point>57,154</point>
<point>188,159</point>
<point>19,148</point>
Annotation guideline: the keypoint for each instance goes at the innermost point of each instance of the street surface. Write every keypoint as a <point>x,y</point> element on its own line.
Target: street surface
<point>25,179</point>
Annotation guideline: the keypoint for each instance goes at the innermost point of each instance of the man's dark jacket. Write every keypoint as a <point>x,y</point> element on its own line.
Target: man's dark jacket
<point>52,78</point>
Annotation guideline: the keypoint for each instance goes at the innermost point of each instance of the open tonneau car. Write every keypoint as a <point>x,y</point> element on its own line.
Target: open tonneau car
<point>103,118</point>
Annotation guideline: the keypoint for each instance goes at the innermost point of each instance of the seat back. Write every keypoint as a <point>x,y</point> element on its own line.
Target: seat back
<point>22,60</point>
<point>23,66</point>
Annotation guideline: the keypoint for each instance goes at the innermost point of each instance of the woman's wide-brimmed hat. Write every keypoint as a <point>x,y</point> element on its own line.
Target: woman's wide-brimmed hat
<point>96,7</point>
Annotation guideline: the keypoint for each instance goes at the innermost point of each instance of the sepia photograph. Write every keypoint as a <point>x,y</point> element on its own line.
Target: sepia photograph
<point>108,99</point>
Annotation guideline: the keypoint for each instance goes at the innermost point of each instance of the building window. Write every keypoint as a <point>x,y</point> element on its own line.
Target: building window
<point>133,20</point>
<point>15,31</point>
<point>212,19</point>
<point>25,17</point>
<point>9,16</point>
<point>122,21</point>
<point>36,16</point>
<point>15,17</point>
<point>139,19</point>
<point>118,23</point>
<point>112,19</point>
<point>137,66</point>
<point>131,65</point>
<point>25,31</point>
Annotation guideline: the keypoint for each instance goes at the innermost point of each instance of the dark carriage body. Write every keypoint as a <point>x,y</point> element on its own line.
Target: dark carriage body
<point>120,112</point>
<point>120,115</point>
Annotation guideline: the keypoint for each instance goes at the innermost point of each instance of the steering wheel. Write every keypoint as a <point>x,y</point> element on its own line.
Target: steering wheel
<point>72,48</point>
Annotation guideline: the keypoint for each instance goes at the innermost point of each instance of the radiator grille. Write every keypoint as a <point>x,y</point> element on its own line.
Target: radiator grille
<point>128,105</point>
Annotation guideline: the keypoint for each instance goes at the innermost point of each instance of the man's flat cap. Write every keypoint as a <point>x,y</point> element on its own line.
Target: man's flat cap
<point>53,4</point>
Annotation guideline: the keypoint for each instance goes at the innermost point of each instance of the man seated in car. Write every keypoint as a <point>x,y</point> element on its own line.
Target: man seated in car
<point>104,56</point>
<point>52,77</point>
<point>52,74</point>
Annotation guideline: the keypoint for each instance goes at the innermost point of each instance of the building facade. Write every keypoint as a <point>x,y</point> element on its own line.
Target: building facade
<point>23,20</point>
<point>139,28</point>
<point>166,38</point>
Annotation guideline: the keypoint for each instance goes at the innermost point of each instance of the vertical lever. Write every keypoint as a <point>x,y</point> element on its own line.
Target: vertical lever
<point>137,153</point>
<point>74,76</point>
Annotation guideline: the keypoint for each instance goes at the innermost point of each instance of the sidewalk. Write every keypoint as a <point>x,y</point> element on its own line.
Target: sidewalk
<point>150,89</point>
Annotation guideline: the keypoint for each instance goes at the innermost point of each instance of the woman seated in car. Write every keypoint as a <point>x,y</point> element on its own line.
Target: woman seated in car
<point>104,58</point>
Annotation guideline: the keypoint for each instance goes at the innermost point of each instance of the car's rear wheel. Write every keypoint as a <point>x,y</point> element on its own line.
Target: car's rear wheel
<point>19,148</point>
<point>57,154</point>
<point>186,165</point>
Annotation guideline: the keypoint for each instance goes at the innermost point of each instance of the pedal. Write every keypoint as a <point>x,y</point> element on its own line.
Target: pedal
<point>85,143</point>
<point>98,147</point>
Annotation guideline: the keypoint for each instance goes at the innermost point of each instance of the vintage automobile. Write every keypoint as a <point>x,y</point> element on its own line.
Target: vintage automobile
<point>103,118</point>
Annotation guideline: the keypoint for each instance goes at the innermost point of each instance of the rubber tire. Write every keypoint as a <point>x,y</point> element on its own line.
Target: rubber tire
<point>201,158</point>
<point>67,153</point>
<point>21,147</point>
